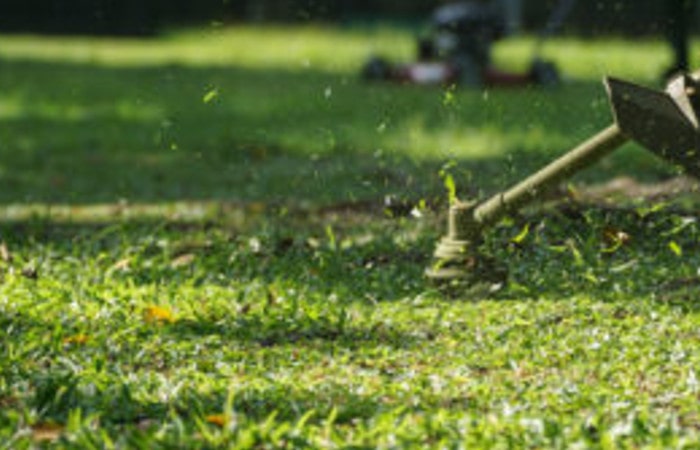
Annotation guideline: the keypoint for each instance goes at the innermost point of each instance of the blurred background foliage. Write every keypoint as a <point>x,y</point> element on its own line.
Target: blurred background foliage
<point>145,17</point>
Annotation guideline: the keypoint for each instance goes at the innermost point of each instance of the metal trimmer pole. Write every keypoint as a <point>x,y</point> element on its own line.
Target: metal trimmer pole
<point>664,122</point>
<point>583,156</point>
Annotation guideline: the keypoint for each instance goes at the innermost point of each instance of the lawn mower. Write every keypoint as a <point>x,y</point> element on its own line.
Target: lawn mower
<point>458,50</point>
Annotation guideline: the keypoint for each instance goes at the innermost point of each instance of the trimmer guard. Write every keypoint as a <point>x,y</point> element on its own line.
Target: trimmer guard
<point>665,122</point>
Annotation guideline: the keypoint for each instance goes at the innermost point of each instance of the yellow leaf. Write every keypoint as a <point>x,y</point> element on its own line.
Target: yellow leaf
<point>78,339</point>
<point>451,188</point>
<point>48,431</point>
<point>158,314</point>
<point>217,419</point>
<point>675,248</point>
<point>522,235</point>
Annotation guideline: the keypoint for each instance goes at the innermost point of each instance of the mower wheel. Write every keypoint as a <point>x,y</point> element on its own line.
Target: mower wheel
<point>376,68</point>
<point>544,73</point>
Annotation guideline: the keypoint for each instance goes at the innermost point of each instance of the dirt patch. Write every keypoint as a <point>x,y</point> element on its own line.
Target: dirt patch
<point>625,189</point>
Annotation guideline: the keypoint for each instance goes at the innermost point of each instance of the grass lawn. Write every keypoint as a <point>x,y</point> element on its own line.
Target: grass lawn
<point>216,238</point>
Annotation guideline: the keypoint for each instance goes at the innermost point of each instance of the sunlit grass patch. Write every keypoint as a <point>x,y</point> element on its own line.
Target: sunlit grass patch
<point>594,57</point>
<point>333,49</point>
<point>290,48</point>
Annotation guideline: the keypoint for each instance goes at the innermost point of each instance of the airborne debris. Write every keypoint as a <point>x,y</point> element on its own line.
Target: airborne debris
<point>210,95</point>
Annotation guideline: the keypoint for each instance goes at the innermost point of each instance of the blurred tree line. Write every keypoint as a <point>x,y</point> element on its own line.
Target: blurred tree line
<point>130,17</point>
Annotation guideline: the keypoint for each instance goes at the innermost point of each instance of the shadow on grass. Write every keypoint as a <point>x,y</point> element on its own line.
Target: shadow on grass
<point>609,252</point>
<point>301,332</point>
<point>118,406</point>
<point>62,388</point>
<point>365,264</point>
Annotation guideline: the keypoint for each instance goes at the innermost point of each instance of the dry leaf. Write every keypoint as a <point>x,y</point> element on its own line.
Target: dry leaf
<point>272,297</point>
<point>5,254</point>
<point>615,236</point>
<point>121,265</point>
<point>256,207</point>
<point>217,419</point>
<point>244,309</point>
<point>78,339</point>
<point>182,261</point>
<point>46,432</point>
<point>260,153</point>
<point>30,273</point>
<point>146,424</point>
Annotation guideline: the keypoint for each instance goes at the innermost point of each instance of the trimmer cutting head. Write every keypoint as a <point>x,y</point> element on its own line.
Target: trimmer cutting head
<point>460,267</point>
